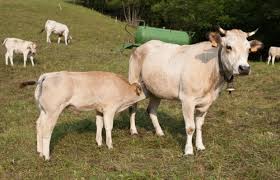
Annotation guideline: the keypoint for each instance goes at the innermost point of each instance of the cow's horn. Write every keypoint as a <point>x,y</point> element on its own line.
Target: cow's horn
<point>222,31</point>
<point>252,33</point>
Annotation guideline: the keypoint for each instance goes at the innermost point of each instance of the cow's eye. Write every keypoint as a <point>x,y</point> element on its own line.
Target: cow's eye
<point>229,48</point>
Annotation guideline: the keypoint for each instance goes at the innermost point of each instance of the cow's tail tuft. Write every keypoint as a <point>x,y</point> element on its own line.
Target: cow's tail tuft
<point>4,41</point>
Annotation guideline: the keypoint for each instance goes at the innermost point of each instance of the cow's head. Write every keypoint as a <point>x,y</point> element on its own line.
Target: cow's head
<point>32,48</point>
<point>235,49</point>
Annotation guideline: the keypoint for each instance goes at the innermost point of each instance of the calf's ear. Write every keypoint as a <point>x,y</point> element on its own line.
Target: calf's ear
<point>138,88</point>
<point>214,38</point>
<point>255,45</point>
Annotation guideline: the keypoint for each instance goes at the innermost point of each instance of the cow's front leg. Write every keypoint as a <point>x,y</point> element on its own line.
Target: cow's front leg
<point>188,113</point>
<point>199,121</point>
<point>59,38</point>
<point>152,110</point>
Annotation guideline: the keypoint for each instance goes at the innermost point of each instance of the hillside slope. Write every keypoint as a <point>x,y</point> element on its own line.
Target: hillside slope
<point>241,132</point>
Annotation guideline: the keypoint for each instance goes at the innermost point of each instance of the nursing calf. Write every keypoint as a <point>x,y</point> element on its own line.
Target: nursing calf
<point>15,45</point>
<point>105,92</point>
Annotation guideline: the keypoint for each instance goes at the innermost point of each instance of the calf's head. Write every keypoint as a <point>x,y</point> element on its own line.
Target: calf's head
<point>69,39</point>
<point>235,49</point>
<point>32,48</point>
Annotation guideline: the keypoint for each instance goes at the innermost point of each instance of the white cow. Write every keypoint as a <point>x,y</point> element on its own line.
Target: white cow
<point>57,28</point>
<point>15,45</point>
<point>193,74</point>
<point>274,52</point>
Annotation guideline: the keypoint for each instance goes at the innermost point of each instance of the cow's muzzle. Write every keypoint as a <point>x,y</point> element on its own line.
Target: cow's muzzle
<point>244,70</point>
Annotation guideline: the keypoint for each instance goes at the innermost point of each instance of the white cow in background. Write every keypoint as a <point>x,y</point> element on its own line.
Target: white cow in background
<point>15,45</point>
<point>274,52</point>
<point>57,28</point>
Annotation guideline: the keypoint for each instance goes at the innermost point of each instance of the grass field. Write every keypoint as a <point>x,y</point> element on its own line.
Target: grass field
<point>241,131</point>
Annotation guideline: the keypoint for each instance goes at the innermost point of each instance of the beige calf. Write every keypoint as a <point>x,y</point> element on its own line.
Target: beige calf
<point>105,92</point>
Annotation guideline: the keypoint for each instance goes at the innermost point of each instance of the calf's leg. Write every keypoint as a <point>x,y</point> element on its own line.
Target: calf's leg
<point>31,59</point>
<point>273,59</point>
<point>7,58</point>
<point>152,110</point>
<point>99,127</point>
<point>108,123</point>
<point>11,54</point>
<point>268,59</point>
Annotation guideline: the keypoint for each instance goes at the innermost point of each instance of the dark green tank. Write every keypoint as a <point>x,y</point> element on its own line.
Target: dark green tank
<point>146,33</point>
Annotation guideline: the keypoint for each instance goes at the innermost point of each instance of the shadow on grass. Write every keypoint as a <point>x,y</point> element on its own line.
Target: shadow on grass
<point>121,121</point>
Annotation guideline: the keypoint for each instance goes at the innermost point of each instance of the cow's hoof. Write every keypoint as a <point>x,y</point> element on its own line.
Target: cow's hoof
<point>41,154</point>
<point>159,133</point>
<point>200,147</point>
<point>188,150</point>
<point>133,132</point>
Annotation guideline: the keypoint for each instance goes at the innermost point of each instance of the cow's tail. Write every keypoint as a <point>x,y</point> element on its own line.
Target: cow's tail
<point>4,41</point>
<point>135,67</point>
<point>39,90</point>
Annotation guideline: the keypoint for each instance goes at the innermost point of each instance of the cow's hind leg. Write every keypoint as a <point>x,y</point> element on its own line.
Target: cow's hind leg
<point>99,127</point>
<point>188,113</point>
<point>39,133</point>
<point>132,112</point>
<point>152,110</point>
<point>47,125</point>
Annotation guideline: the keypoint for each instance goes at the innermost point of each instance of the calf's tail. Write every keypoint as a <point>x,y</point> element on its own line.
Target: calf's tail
<point>42,30</point>
<point>4,41</point>
<point>27,83</point>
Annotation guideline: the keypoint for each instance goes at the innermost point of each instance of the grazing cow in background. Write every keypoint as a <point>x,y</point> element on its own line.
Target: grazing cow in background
<point>105,92</point>
<point>193,74</point>
<point>274,52</point>
<point>57,28</point>
<point>15,45</point>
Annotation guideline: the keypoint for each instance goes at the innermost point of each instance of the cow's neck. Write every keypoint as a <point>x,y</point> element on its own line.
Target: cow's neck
<point>227,76</point>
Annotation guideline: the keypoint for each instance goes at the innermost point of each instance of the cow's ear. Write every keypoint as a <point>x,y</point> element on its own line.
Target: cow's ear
<point>255,45</point>
<point>214,38</point>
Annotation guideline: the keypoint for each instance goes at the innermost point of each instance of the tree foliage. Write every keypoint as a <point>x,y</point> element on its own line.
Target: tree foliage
<point>199,16</point>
